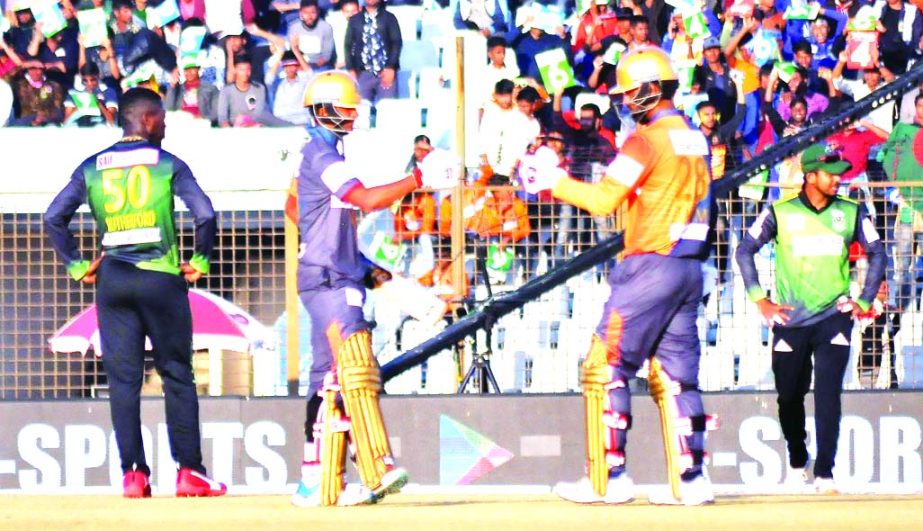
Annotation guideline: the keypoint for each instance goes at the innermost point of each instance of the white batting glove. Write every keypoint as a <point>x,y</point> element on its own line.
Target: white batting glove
<point>539,171</point>
<point>439,170</point>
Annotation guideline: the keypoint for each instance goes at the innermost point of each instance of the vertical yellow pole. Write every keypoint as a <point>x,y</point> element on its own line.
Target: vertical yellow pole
<point>292,304</point>
<point>458,229</point>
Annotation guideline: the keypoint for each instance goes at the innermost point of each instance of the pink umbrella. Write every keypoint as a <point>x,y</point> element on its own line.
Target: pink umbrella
<point>216,323</point>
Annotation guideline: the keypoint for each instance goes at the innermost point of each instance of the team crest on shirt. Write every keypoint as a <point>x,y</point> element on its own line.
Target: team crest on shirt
<point>838,220</point>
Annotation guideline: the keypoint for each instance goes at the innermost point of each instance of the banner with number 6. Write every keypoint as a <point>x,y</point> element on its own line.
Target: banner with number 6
<point>861,48</point>
<point>557,73</point>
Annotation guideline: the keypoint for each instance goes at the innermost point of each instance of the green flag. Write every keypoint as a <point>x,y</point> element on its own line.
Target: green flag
<point>753,188</point>
<point>613,53</point>
<point>85,103</point>
<point>92,24</point>
<point>785,71</point>
<point>802,11</point>
<point>557,73</point>
<point>499,261</point>
<point>385,251</point>
<point>696,25</point>
<point>49,15</point>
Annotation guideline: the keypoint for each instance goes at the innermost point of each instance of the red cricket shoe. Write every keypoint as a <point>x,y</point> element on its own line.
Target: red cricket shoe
<point>190,483</point>
<point>136,484</point>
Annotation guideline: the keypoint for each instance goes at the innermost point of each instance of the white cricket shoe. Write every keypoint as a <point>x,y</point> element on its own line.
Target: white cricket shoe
<point>618,490</point>
<point>696,491</point>
<point>825,486</point>
<point>353,494</point>
<point>391,483</point>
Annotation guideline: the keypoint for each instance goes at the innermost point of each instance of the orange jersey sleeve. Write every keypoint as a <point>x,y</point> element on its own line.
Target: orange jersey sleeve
<point>663,174</point>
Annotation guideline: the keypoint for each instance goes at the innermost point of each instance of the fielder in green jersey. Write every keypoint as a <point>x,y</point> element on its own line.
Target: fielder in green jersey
<point>812,313</point>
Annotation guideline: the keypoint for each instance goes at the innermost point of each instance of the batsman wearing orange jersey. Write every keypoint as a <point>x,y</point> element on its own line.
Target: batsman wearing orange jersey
<point>662,176</point>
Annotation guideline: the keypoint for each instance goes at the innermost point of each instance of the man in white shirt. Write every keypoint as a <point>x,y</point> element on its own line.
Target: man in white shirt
<point>497,67</point>
<point>507,135</point>
<point>312,39</point>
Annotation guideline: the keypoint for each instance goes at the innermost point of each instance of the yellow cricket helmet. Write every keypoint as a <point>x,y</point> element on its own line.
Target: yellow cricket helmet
<point>644,65</point>
<point>329,91</point>
<point>636,72</point>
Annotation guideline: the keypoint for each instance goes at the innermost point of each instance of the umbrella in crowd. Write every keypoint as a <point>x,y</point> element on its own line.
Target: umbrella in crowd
<point>216,324</point>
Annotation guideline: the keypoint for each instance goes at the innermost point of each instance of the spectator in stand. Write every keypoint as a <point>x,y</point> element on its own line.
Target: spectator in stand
<point>740,57</point>
<point>872,79</point>
<point>855,144</point>
<point>654,11</point>
<point>796,86</point>
<point>717,79</point>
<point>754,118</point>
<point>489,17</point>
<point>234,44</point>
<point>498,68</point>
<point>41,100</point>
<point>640,33</point>
<point>21,33</point>
<point>311,39</point>
<point>243,103</point>
<point>504,219</point>
<point>288,91</point>
<point>135,45</point>
<point>623,16</point>
<point>595,25</point>
<point>804,57</point>
<point>415,216</point>
<point>589,152</point>
<point>92,104</point>
<point>339,20</point>
<point>261,41</point>
<point>533,42</point>
<point>519,131</point>
<point>103,57</point>
<point>422,146</point>
<point>288,13</point>
<point>817,33</point>
<point>211,56</point>
<point>60,53</point>
<point>193,95</point>
<point>373,48</point>
<point>902,26</point>
<point>494,122</point>
<point>908,106</point>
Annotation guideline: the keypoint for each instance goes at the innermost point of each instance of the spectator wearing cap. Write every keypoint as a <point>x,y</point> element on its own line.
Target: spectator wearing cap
<point>311,39</point>
<point>903,28</point>
<point>373,50</point>
<point>339,19</point>
<point>244,103</point>
<point>41,100</point>
<point>716,78</point>
<point>193,95</point>
<point>288,91</point>
<point>488,17</point>
<point>92,103</point>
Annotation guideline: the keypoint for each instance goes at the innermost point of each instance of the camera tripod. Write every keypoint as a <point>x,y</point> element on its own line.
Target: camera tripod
<point>480,363</point>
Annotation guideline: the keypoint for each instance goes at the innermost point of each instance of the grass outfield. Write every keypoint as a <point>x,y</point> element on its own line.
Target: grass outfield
<point>459,512</point>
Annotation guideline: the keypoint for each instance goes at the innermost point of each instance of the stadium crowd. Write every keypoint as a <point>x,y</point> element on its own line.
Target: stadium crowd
<point>751,71</point>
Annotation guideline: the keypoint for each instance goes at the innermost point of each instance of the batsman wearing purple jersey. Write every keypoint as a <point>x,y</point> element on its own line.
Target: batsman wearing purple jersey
<point>345,379</point>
